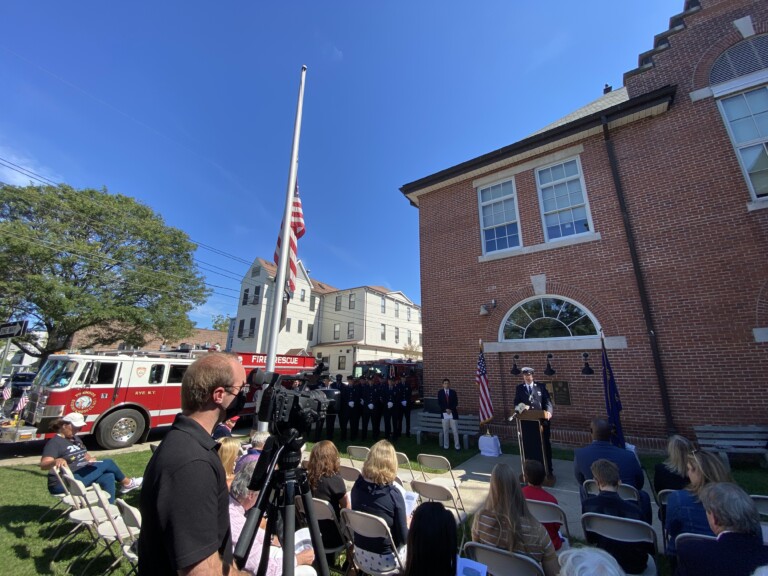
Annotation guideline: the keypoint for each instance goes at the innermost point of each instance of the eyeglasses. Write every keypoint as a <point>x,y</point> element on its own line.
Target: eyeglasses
<point>244,387</point>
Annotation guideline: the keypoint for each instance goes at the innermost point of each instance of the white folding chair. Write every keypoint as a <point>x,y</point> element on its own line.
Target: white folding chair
<point>368,561</point>
<point>502,562</point>
<point>132,519</point>
<point>442,465</point>
<point>761,502</point>
<point>359,453</point>
<point>691,537</point>
<point>549,512</point>
<point>113,530</point>
<point>626,491</point>
<point>404,462</point>
<point>437,493</point>
<point>324,511</point>
<point>623,530</point>
<point>66,499</point>
<point>349,473</point>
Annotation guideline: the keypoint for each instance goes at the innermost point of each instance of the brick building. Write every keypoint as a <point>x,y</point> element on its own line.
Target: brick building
<point>643,214</point>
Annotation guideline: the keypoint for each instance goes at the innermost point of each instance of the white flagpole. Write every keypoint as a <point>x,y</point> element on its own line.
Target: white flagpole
<point>282,265</point>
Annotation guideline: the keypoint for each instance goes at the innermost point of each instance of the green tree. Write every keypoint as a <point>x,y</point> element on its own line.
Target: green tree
<point>220,322</point>
<point>412,351</point>
<point>74,260</point>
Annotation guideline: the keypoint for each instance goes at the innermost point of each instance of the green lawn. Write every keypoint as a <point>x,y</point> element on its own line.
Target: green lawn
<point>26,548</point>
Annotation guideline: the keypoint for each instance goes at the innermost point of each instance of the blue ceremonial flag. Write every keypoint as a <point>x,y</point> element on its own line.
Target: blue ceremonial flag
<point>612,402</point>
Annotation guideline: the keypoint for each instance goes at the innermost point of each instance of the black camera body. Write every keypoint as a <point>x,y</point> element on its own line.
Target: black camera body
<point>285,409</point>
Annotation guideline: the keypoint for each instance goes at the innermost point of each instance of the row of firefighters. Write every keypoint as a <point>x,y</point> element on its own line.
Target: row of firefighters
<point>365,401</point>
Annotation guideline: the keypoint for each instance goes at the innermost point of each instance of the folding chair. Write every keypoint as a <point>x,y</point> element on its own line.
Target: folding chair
<point>441,463</point>
<point>626,491</point>
<point>691,537</point>
<point>502,562</point>
<point>359,453</point>
<point>549,512</point>
<point>438,493</point>
<point>324,511</point>
<point>623,530</point>
<point>132,519</point>
<point>113,530</point>
<point>403,461</point>
<point>349,473</point>
<point>761,502</point>
<point>661,499</point>
<point>367,561</point>
<point>66,499</point>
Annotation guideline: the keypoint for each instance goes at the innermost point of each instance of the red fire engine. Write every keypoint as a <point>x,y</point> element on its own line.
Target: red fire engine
<point>394,368</point>
<point>121,396</point>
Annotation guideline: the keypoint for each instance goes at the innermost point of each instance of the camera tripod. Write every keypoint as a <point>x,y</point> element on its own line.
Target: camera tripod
<point>278,487</point>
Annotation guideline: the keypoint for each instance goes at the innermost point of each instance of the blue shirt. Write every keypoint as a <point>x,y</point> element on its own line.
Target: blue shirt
<point>684,514</point>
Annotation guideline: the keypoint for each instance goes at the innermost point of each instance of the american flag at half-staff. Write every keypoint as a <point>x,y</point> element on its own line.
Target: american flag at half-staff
<point>481,379</point>
<point>298,229</point>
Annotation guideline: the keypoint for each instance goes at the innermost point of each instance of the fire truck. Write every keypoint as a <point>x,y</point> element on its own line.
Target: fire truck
<point>122,396</point>
<point>394,368</point>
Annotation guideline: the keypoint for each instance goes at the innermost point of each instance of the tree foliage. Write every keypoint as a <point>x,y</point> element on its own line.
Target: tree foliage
<point>412,351</point>
<point>87,260</point>
<point>220,322</point>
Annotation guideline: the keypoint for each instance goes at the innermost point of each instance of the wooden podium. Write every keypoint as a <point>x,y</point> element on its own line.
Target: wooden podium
<point>530,437</point>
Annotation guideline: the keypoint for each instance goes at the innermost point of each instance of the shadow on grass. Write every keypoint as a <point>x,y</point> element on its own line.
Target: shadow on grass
<point>17,518</point>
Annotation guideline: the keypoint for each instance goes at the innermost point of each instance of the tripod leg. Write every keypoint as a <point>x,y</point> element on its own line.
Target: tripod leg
<point>288,510</point>
<point>314,528</point>
<point>268,533</point>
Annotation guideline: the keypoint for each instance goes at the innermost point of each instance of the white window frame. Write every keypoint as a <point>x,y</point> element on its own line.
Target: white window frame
<point>312,301</point>
<point>409,337</point>
<point>337,331</point>
<point>256,294</point>
<point>397,309</point>
<point>310,332</point>
<point>338,303</point>
<point>483,227</point>
<point>245,296</point>
<point>408,313</point>
<point>350,330</point>
<point>302,295</point>
<point>342,364</point>
<point>585,199</point>
<point>397,335</point>
<point>738,146</point>
<point>300,326</point>
<point>352,300</point>
<point>287,324</point>
<point>383,332</point>
<point>383,304</point>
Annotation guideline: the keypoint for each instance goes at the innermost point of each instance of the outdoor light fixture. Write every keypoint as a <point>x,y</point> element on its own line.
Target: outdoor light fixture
<point>515,370</point>
<point>486,308</point>
<point>549,371</point>
<point>587,370</point>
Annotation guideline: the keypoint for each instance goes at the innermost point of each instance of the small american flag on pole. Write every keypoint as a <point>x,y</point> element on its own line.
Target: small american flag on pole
<point>298,229</point>
<point>481,379</point>
<point>22,402</point>
<point>6,392</point>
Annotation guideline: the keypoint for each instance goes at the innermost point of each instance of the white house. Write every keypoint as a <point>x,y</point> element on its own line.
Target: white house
<point>340,327</point>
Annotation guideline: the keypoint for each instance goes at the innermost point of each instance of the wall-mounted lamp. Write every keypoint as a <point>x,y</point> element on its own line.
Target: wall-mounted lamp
<point>587,370</point>
<point>485,309</point>
<point>549,371</point>
<point>515,370</point>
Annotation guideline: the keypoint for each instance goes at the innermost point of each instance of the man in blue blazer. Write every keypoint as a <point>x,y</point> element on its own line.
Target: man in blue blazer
<point>448,401</point>
<point>630,471</point>
<point>739,548</point>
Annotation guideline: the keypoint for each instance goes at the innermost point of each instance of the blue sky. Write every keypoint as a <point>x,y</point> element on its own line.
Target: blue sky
<point>189,106</point>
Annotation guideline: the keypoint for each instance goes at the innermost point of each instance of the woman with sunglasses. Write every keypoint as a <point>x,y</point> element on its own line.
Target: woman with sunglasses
<point>685,512</point>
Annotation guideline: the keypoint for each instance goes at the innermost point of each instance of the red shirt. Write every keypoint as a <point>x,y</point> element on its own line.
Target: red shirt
<point>539,494</point>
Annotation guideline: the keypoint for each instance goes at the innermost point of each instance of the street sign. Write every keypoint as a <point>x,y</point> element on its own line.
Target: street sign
<point>13,329</point>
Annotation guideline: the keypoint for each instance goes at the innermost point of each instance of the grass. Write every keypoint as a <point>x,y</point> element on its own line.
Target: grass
<point>26,549</point>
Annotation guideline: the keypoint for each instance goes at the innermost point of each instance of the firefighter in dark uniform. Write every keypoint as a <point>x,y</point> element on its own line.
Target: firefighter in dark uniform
<point>402,408</point>
<point>367,397</point>
<point>356,410</point>
<point>380,391</point>
<point>389,401</point>
<point>345,410</point>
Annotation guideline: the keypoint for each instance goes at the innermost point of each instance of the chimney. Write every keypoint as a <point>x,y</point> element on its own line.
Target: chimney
<point>607,88</point>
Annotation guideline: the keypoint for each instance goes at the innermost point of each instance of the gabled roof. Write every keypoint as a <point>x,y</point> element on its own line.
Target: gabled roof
<point>316,285</point>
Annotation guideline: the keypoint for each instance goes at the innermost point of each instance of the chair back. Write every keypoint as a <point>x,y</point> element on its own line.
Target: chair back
<point>621,529</point>
<point>548,512</point>
<point>114,528</point>
<point>761,502</point>
<point>357,453</point>
<point>626,491</point>
<point>349,473</point>
<point>324,511</point>
<point>370,526</point>
<point>691,537</point>
<point>433,492</point>
<point>404,462</point>
<point>502,562</point>
<point>434,461</point>
<point>130,515</point>
<point>663,496</point>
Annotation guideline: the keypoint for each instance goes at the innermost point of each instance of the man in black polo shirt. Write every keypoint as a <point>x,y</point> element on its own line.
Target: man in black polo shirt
<point>185,505</point>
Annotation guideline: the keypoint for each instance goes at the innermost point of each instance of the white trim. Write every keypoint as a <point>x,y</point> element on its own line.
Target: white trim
<point>740,83</point>
<point>480,205</point>
<point>559,243</point>
<point>587,312</point>
<point>585,198</point>
<point>164,412</point>
<point>761,334</point>
<point>530,165</point>
<point>744,26</point>
<point>700,94</point>
<point>556,344</point>
<point>760,204</point>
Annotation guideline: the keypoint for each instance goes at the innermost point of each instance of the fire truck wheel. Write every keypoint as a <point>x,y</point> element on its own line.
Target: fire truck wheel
<point>120,429</point>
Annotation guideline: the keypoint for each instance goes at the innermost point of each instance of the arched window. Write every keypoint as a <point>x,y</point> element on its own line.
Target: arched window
<point>548,317</point>
<point>744,58</point>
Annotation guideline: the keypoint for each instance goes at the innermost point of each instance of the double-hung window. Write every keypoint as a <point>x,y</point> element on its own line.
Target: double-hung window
<point>338,303</point>
<point>498,217</point>
<point>562,200</point>
<point>746,115</point>
<point>350,330</point>
<point>336,331</point>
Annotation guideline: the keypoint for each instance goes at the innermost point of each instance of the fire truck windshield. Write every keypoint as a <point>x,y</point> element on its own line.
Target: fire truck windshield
<point>56,373</point>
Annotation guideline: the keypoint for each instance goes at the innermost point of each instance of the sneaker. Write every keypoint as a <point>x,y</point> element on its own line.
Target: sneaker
<point>134,483</point>
<point>445,447</point>
<point>458,449</point>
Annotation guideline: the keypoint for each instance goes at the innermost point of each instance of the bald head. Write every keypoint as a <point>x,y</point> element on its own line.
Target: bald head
<point>217,370</point>
<point>601,429</point>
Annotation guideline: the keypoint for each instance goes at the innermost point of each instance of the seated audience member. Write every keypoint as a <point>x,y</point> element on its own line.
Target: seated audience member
<point>224,429</point>
<point>685,513</point>
<point>229,450</point>
<point>630,471</point>
<point>505,522</point>
<point>66,449</point>
<point>589,562</point>
<point>241,499</point>
<point>633,558</point>
<point>734,519</point>
<point>672,474</point>
<point>432,542</point>
<point>327,484</point>
<point>374,492</point>
<point>258,439</point>
<point>534,475</point>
